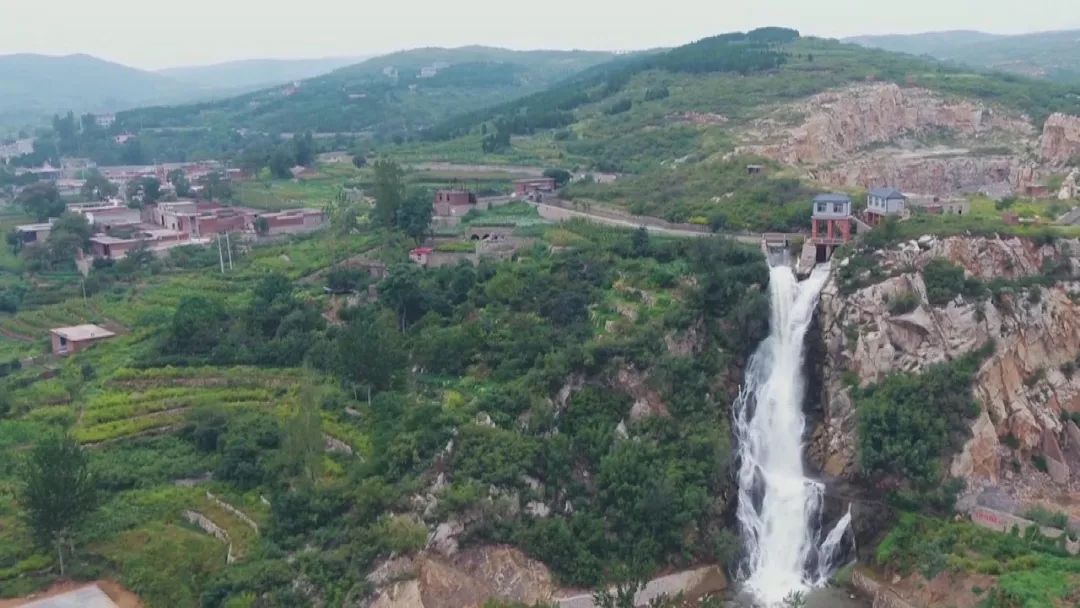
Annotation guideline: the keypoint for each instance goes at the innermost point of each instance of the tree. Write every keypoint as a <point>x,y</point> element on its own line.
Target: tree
<point>639,242</point>
<point>216,187</point>
<point>196,327</point>
<point>389,192</point>
<point>561,176</point>
<point>370,352</point>
<point>57,493</point>
<point>414,216</point>
<point>180,182</point>
<point>72,223</point>
<point>281,163</point>
<point>143,191</point>
<point>41,200</point>
<point>262,226</point>
<point>304,149</point>
<point>303,446</point>
<point>98,188</point>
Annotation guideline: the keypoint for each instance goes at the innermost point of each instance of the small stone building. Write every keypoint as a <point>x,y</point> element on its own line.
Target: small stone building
<point>67,340</point>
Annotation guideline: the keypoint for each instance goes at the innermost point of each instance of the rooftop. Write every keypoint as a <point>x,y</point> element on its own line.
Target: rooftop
<point>832,197</point>
<point>82,332</point>
<point>886,193</point>
<point>34,227</point>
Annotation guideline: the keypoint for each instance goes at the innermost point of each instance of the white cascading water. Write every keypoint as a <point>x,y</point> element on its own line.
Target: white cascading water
<point>779,506</point>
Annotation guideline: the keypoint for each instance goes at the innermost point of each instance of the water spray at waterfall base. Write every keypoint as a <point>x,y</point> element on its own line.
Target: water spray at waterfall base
<point>779,507</point>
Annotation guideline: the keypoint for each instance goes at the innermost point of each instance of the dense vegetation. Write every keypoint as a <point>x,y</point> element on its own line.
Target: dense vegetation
<point>246,380</point>
<point>1028,571</point>
<point>907,421</point>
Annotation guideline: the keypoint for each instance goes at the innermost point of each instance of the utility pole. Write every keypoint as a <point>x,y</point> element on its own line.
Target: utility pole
<point>228,247</point>
<point>221,259</point>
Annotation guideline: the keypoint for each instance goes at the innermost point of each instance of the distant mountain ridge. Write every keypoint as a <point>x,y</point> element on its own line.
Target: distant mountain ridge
<point>395,94</point>
<point>256,73</point>
<point>33,86</point>
<point>1051,55</point>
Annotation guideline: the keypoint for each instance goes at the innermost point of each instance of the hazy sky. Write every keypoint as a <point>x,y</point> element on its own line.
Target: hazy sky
<point>159,33</point>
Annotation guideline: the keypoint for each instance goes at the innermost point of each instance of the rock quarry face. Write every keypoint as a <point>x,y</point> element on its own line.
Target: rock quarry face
<point>1021,388</point>
<point>879,134</point>
<point>844,121</point>
<point>1060,141</point>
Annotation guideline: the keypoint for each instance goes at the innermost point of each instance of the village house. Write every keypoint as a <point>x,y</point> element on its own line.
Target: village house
<point>156,241</point>
<point>882,203</point>
<point>454,202</point>
<point>292,221</point>
<point>936,205</point>
<point>107,215</point>
<point>67,340</point>
<point>104,120</point>
<point>831,223</point>
<point>44,172</point>
<point>15,149</point>
<point>541,185</point>
<point>420,255</point>
<point>34,233</point>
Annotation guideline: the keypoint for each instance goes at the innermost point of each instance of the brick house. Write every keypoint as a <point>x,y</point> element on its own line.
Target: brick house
<point>831,223</point>
<point>525,187</point>
<point>453,202</point>
<point>67,340</point>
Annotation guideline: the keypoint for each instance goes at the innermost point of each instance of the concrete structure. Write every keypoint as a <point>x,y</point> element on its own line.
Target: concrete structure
<point>34,233</point>
<point>15,149</point>
<point>44,172</point>
<point>293,221</point>
<point>525,187</point>
<point>156,241</point>
<point>935,205</point>
<point>107,215</point>
<point>882,203</point>
<point>104,120</point>
<point>90,596</point>
<point>754,169</point>
<point>831,223</point>
<point>67,340</point>
<point>453,202</point>
<point>420,255</point>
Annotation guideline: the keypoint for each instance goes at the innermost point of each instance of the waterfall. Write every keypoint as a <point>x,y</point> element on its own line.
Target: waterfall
<point>779,506</point>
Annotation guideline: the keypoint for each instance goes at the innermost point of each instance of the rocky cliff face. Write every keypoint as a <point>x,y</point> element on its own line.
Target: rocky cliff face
<point>841,122</point>
<point>885,134</point>
<point>1060,141</point>
<point>1023,387</point>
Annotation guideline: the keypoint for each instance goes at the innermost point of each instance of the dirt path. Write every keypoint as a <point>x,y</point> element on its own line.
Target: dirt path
<point>122,597</point>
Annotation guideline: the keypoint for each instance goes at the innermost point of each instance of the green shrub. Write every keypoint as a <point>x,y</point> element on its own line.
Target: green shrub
<point>903,303</point>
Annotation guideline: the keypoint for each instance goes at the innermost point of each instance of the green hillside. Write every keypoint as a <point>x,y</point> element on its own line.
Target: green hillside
<point>668,121</point>
<point>369,97</point>
<point>34,86</point>
<point>1050,55</point>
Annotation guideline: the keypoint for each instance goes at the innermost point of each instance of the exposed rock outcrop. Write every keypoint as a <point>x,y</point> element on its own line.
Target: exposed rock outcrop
<point>840,122</point>
<point>882,133</point>
<point>468,580</point>
<point>1060,141</point>
<point>1022,388</point>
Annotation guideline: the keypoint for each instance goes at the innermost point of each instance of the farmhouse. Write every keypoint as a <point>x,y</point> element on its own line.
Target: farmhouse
<point>293,221</point>
<point>34,233</point>
<point>66,340</point>
<point>115,248</point>
<point>525,187</point>
<point>454,202</point>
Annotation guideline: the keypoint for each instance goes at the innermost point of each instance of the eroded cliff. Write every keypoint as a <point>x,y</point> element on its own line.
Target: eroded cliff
<point>1022,443</point>
<point>914,139</point>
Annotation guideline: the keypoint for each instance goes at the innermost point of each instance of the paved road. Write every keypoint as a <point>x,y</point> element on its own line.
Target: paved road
<point>551,212</point>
